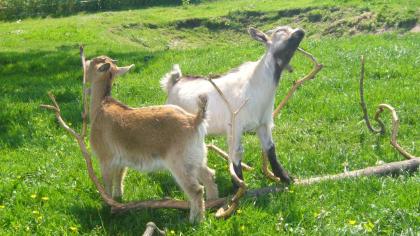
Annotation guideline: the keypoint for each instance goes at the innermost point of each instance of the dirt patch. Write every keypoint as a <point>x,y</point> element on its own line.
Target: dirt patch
<point>415,29</point>
<point>332,21</point>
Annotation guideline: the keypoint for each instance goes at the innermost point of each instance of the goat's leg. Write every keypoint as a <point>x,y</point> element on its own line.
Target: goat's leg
<point>119,174</point>
<point>235,169</point>
<point>107,175</point>
<point>187,177</point>
<point>206,177</point>
<point>269,156</point>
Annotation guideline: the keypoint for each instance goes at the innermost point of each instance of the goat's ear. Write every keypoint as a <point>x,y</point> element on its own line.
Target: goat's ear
<point>258,35</point>
<point>104,67</point>
<point>123,70</point>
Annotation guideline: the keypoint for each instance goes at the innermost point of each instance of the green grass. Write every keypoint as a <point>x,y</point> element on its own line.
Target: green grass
<point>319,129</point>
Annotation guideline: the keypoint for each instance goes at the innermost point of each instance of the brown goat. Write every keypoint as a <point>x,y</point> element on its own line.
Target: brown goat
<point>147,138</point>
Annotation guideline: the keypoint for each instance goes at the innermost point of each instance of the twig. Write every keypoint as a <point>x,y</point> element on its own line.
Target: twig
<point>151,228</point>
<point>225,156</point>
<point>317,67</point>
<point>381,108</point>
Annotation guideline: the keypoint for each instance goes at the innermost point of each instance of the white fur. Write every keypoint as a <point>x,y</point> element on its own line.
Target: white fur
<point>252,80</point>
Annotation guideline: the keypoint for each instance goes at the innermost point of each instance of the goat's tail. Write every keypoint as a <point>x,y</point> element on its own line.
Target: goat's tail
<point>202,107</point>
<point>170,79</point>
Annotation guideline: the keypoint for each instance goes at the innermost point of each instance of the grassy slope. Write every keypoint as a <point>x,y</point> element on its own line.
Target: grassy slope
<point>317,132</point>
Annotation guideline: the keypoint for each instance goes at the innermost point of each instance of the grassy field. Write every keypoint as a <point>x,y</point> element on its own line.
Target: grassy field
<point>44,186</point>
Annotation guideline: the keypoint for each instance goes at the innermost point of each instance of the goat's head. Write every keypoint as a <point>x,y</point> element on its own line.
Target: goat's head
<point>281,42</point>
<point>103,68</point>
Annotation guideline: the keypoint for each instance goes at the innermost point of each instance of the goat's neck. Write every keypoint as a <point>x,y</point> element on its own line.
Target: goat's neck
<point>266,73</point>
<point>99,90</point>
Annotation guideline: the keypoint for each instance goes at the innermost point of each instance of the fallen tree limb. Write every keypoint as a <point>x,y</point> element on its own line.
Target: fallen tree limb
<point>393,168</point>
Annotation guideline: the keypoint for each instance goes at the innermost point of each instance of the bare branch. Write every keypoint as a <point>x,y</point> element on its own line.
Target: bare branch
<point>317,67</point>
<point>381,129</point>
<point>84,93</point>
<point>381,108</point>
<point>395,127</point>
<point>225,156</point>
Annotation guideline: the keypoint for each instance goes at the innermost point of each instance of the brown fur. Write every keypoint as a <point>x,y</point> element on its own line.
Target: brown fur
<point>147,138</point>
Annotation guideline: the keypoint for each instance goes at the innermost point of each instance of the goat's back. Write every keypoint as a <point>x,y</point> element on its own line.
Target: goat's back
<point>149,130</point>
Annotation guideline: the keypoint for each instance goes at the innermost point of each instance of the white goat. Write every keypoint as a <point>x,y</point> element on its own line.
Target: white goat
<point>147,138</point>
<point>255,81</point>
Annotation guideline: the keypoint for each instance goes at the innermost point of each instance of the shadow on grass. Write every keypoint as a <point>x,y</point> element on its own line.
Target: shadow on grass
<point>27,77</point>
<point>63,9</point>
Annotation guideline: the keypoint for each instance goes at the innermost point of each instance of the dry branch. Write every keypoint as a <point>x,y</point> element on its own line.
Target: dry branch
<point>381,108</point>
<point>317,67</point>
<point>225,156</point>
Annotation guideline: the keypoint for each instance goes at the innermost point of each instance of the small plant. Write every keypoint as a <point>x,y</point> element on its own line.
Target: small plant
<point>186,3</point>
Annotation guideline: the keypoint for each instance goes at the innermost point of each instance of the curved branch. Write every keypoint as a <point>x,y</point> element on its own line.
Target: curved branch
<point>381,128</point>
<point>317,67</point>
<point>395,128</point>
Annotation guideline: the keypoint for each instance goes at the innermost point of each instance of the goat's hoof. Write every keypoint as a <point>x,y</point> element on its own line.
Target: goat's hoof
<point>286,179</point>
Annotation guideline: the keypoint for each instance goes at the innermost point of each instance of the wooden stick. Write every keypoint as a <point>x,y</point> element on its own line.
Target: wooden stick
<point>225,156</point>
<point>317,67</point>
